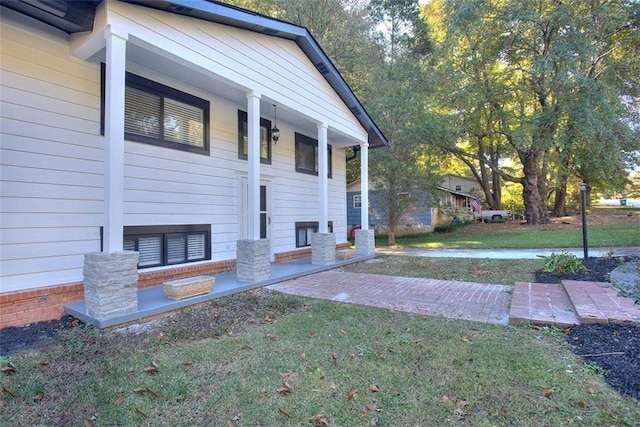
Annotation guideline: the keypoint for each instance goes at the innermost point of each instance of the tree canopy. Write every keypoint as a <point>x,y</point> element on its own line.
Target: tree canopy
<point>543,94</point>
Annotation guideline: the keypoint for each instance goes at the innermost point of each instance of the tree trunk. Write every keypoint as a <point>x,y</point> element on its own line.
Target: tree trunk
<point>560,201</point>
<point>534,203</point>
<point>391,233</point>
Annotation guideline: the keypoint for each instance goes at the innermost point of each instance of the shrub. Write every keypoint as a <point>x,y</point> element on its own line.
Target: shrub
<point>561,263</point>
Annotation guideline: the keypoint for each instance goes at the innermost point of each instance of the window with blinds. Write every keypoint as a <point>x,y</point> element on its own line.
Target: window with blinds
<point>168,245</point>
<point>160,115</point>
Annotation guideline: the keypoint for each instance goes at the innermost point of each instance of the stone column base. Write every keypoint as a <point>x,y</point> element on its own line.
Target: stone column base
<point>253,262</point>
<point>110,283</point>
<point>323,248</point>
<point>365,242</point>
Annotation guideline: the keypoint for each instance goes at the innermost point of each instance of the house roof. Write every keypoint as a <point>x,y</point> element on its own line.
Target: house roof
<point>459,193</point>
<point>77,16</point>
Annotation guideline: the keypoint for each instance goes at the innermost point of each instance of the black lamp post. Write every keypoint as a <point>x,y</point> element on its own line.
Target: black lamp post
<point>583,201</point>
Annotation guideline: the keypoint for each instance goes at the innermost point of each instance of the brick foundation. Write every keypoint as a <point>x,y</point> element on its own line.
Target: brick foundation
<point>36,305</point>
<point>23,307</point>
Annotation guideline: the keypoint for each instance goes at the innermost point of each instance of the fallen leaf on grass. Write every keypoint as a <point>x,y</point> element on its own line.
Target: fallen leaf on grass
<point>141,412</point>
<point>231,424</point>
<point>591,391</point>
<point>395,392</point>
<point>547,392</point>
<point>188,363</point>
<point>461,403</point>
<point>181,398</point>
<point>9,392</point>
<point>319,421</point>
<point>141,390</point>
<point>334,357</point>
<point>371,407</point>
<point>38,397</point>
<point>285,413</point>
<point>312,334</point>
<point>373,388</point>
<point>151,369</point>
<point>353,393</point>
<point>88,423</point>
<point>45,363</point>
<point>343,332</point>
<point>8,369</point>
<point>284,390</point>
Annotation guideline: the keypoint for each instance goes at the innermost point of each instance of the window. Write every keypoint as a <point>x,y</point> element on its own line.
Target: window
<point>307,155</point>
<point>265,138</point>
<point>160,115</point>
<point>168,245</point>
<point>357,201</point>
<point>304,230</point>
<point>458,187</point>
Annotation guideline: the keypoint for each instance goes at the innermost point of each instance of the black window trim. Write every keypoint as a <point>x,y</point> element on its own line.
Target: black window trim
<point>303,139</point>
<point>163,231</point>
<point>150,86</point>
<point>264,123</point>
<point>309,224</point>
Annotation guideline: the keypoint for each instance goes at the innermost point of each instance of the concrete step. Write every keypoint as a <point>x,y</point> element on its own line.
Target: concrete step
<point>541,304</point>
<point>596,302</point>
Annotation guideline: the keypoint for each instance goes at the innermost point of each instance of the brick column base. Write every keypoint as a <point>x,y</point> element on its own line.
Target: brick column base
<point>365,242</point>
<point>110,283</point>
<point>253,260</point>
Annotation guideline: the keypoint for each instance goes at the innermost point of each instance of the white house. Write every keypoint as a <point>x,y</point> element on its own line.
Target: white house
<point>147,129</point>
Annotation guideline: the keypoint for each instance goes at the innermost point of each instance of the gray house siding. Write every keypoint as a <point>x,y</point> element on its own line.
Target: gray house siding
<point>419,213</point>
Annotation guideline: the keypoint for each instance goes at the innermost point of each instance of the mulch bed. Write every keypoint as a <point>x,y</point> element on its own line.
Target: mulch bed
<point>615,349</point>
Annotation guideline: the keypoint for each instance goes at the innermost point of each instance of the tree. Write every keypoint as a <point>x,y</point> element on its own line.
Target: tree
<point>396,97</point>
<point>536,80</point>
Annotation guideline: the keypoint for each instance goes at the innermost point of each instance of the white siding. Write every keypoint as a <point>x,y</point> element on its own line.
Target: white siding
<point>51,150</point>
<point>50,157</point>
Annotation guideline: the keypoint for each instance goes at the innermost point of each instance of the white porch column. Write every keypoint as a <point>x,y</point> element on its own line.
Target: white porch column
<point>114,140</point>
<point>323,181</point>
<point>253,159</point>
<point>364,186</point>
<point>253,254</point>
<point>323,243</point>
<point>365,238</point>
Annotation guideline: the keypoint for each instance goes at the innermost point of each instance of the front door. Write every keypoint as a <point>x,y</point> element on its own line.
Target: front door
<point>265,219</point>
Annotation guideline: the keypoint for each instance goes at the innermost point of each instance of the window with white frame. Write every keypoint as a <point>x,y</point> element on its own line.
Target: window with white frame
<point>265,138</point>
<point>357,201</point>
<point>307,155</point>
<point>168,245</point>
<point>160,115</point>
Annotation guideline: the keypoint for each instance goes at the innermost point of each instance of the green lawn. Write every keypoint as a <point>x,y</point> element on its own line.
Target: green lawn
<point>487,236</point>
<point>345,364</point>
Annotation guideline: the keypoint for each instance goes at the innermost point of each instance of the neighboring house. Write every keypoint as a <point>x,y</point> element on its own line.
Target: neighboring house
<point>459,184</point>
<point>418,219</point>
<point>150,127</point>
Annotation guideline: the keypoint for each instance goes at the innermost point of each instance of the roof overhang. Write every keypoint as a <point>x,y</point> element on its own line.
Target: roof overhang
<point>78,16</point>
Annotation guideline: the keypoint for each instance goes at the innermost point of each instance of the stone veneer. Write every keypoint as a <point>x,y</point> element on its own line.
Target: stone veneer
<point>365,242</point>
<point>110,283</point>
<point>253,262</point>
<point>323,248</point>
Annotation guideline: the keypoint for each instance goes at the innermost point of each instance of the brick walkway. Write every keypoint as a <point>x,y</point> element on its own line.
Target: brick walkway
<point>564,304</point>
<point>451,299</point>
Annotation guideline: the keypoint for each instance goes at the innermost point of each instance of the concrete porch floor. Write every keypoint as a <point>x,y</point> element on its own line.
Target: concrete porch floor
<point>154,301</point>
